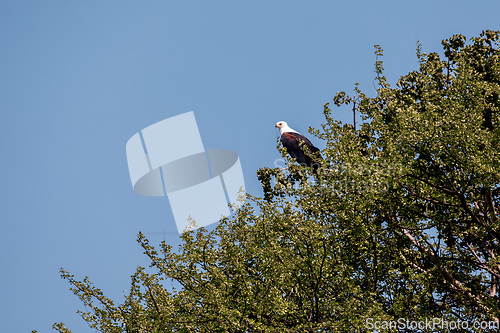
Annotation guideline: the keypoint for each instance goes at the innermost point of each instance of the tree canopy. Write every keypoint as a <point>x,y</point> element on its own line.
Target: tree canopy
<point>401,222</point>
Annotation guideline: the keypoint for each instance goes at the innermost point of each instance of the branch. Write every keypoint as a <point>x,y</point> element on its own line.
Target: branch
<point>455,284</point>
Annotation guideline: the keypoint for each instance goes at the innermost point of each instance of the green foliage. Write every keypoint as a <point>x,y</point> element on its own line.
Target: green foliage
<point>400,222</point>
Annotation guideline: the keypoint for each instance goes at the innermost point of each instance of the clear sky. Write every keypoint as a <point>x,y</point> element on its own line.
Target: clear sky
<point>79,78</point>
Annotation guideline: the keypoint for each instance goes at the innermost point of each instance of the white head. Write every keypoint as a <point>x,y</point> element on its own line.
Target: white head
<point>284,128</point>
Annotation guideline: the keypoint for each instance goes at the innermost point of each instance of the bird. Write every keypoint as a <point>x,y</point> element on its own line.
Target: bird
<point>291,139</point>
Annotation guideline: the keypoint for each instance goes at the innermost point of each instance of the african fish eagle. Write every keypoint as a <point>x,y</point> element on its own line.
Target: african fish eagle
<point>291,141</point>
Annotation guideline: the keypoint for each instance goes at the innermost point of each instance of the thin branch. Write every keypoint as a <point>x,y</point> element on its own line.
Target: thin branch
<point>454,283</point>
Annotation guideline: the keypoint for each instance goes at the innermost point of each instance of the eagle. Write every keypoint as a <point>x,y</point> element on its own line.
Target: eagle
<point>305,153</point>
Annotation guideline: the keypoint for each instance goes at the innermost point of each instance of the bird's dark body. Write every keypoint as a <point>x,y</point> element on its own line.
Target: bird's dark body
<point>304,153</point>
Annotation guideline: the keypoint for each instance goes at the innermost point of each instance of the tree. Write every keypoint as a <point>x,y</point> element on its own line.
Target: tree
<point>401,222</point>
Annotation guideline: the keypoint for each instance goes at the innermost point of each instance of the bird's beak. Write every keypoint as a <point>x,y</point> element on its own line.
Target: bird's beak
<point>276,126</point>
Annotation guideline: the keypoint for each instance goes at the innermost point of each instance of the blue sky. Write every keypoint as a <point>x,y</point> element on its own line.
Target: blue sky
<point>79,78</point>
